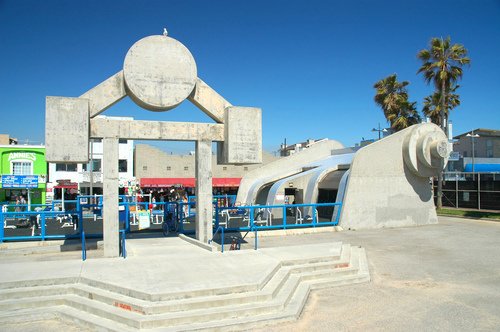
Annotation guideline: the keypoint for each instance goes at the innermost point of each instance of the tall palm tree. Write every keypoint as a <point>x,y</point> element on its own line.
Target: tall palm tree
<point>442,64</point>
<point>406,116</point>
<point>432,105</point>
<point>392,97</point>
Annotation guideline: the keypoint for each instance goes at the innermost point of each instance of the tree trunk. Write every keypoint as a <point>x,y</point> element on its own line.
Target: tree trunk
<point>439,203</point>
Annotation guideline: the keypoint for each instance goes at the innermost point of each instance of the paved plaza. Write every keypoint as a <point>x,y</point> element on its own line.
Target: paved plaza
<point>443,277</point>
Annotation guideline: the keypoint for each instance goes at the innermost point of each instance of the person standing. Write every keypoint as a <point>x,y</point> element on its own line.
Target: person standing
<point>18,202</point>
<point>22,201</point>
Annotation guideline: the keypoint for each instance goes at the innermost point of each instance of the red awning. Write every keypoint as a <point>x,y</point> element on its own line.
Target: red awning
<point>187,182</point>
<point>166,182</point>
<point>66,184</point>
<point>226,182</point>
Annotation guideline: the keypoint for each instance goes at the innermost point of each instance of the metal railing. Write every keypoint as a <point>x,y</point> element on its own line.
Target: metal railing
<point>84,246</point>
<point>86,220</point>
<point>221,228</point>
<point>286,216</point>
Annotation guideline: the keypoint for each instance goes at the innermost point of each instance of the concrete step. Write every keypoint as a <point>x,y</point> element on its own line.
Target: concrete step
<point>277,297</point>
<point>129,316</point>
<point>146,307</point>
<point>290,312</point>
<point>64,313</point>
<point>38,282</point>
<point>90,321</point>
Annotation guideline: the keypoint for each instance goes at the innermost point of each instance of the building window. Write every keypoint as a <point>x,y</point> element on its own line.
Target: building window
<point>22,168</point>
<point>224,168</point>
<point>144,168</point>
<point>122,165</point>
<point>96,166</point>
<point>245,168</point>
<point>66,167</point>
<point>122,141</point>
<point>169,168</point>
<point>186,168</point>
<point>489,149</point>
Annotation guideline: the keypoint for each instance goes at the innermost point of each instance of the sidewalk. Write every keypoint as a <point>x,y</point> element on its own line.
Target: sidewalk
<point>436,277</point>
<point>443,277</point>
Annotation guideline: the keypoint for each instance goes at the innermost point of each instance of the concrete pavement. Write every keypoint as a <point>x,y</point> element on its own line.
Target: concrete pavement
<point>443,277</point>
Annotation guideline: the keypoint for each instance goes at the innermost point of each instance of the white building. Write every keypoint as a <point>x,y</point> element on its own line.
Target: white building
<point>78,177</point>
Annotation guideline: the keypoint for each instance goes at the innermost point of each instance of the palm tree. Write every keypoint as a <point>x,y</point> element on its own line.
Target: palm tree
<point>432,105</point>
<point>406,116</point>
<point>442,64</point>
<point>392,97</point>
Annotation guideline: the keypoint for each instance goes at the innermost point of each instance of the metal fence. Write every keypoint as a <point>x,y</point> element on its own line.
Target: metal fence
<point>471,190</point>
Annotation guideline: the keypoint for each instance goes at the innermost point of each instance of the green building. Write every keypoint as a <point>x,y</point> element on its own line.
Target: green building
<point>24,173</point>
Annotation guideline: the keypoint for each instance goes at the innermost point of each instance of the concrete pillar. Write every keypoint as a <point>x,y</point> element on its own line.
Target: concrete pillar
<point>203,190</point>
<point>110,197</point>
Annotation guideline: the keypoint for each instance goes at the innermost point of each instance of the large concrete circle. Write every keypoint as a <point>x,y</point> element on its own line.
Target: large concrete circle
<point>159,73</point>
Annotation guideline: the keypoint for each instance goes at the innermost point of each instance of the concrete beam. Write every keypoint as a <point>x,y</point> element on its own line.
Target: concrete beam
<point>209,101</point>
<point>67,129</point>
<point>243,136</point>
<point>155,130</point>
<point>105,94</point>
<point>110,197</point>
<point>203,166</point>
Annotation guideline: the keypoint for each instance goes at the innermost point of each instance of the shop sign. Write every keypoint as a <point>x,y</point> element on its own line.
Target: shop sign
<point>22,155</point>
<point>19,181</point>
<point>454,156</point>
<point>144,220</point>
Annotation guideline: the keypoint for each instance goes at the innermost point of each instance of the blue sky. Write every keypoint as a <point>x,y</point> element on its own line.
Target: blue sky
<point>310,65</point>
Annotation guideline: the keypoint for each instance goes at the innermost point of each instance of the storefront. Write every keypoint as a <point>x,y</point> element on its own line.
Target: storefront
<point>220,186</point>
<point>24,173</point>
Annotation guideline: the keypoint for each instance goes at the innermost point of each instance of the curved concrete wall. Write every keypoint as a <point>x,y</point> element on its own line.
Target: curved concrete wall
<point>282,168</point>
<point>382,191</point>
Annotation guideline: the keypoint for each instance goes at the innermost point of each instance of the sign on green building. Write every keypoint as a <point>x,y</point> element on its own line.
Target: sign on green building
<point>23,169</point>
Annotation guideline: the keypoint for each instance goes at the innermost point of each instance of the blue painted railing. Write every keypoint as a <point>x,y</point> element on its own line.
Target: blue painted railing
<point>84,246</point>
<point>246,218</point>
<point>257,215</point>
<point>221,228</point>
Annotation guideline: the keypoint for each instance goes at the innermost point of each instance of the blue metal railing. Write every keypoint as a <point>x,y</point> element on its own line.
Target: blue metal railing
<point>36,220</point>
<point>84,246</point>
<point>235,218</point>
<point>221,228</point>
<point>260,217</point>
<point>123,246</point>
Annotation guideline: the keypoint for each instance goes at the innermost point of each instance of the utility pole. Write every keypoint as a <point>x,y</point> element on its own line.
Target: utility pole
<point>379,130</point>
<point>472,137</point>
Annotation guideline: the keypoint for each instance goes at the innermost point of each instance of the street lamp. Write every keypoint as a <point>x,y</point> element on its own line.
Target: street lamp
<point>379,130</point>
<point>472,136</point>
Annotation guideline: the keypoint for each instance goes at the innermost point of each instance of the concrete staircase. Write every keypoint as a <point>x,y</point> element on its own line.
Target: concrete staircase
<point>101,306</point>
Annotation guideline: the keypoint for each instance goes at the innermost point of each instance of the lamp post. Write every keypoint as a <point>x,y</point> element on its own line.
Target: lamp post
<point>379,130</point>
<point>472,136</point>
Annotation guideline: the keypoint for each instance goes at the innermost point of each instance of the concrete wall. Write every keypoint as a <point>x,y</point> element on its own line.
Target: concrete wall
<point>382,191</point>
<point>481,146</point>
<point>151,162</point>
<point>243,136</point>
<point>67,129</point>
<point>282,168</point>
<point>4,139</point>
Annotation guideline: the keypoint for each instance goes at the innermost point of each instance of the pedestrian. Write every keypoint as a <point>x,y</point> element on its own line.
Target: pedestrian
<point>18,202</point>
<point>22,201</point>
<point>185,207</point>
